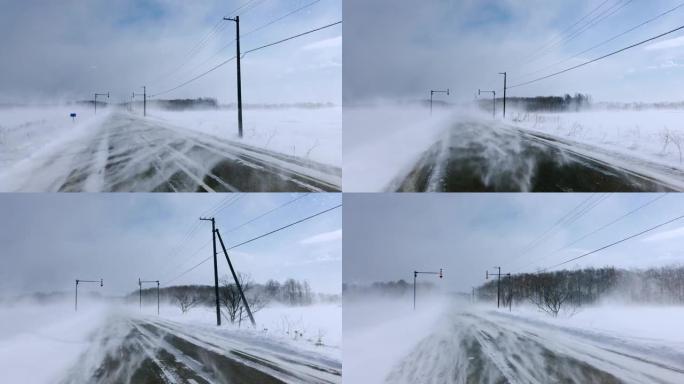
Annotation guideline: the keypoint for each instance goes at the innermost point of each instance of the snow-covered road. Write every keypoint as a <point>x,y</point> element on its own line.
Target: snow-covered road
<point>494,347</point>
<point>476,156</point>
<point>148,349</point>
<point>128,153</point>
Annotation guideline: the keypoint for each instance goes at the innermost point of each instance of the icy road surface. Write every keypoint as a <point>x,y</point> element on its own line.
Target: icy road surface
<point>128,153</point>
<point>494,347</point>
<point>150,350</point>
<point>473,156</point>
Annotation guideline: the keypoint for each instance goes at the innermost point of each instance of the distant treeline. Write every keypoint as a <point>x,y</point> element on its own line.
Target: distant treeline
<point>290,292</point>
<point>390,288</point>
<point>586,286</point>
<point>540,103</point>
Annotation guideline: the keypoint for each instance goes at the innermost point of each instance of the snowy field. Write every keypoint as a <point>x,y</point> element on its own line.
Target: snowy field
<point>61,339</point>
<point>313,134</point>
<point>653,135</point>
<point>27,131</point>
<point>277,321</point>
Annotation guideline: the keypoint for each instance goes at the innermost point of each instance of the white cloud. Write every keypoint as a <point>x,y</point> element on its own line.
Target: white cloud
<point>666,235</point>
<point>333,42</point>
<point>324,237</point>
<point>666,44</point>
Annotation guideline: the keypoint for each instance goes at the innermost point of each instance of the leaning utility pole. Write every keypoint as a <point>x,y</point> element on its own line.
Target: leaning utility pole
<point>239,81</point>
<point>83,281</point>
<point>140,283</point>
<point>493,100</point>
<point>216,287</point>
<point>95,99</point>
<point>237,281</point>
<point>432,92</point>
<point>504,98</point>
<point>415,275</point>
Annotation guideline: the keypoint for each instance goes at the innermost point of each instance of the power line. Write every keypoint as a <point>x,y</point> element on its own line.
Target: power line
<point>243,54</point>
<point>556,224</point>
<point>254,239</point>
<point>594,22</point>
<point>606,41</point>
<point>293,37</point>
<point>598,58</point>
<point>616,242</point>
<point>266,213</point>
<point>596,230</point>
<point>563,32</point>
<point>283,227</point>
<point>280,18</point>
<point>223,48</point>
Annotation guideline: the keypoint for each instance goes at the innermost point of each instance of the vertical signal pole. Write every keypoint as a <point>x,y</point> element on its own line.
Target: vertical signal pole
<point>493,100</point>
<point>95,99</point>
<point>498,284</point>
<point>76,293</point>
<point>140,282</point>
<point>144,100</point>
<point>140,292</point>
<point>216,287</point>
<point>504,98</point>
<point>415,275</point>
<point>239,78</point>
<point>432,92</point>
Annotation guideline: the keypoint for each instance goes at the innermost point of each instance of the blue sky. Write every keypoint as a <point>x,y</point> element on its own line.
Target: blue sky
<point>51,239</point>
<point>389,235</point>
<point>400,49</point>
<point>68,49</point>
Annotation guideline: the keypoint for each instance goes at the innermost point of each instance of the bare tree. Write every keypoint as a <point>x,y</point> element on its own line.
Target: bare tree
<point>185,300</point>
<point>551,295</point>
<point>232,301</point>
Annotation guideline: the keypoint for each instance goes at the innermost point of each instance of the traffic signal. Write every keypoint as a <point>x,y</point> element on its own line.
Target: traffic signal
<point>440,273</point>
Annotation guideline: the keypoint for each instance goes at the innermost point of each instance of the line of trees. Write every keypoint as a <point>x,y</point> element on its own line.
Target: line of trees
<point>385,288</point>
<point>541,103</point>
<point>289,292</point>
<point>552,291</point>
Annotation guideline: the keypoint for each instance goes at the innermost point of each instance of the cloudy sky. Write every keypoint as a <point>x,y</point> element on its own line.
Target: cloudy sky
<point>48,240</point>
<point>387,236</point>
<point>70,49</point>
<point>400,49</point>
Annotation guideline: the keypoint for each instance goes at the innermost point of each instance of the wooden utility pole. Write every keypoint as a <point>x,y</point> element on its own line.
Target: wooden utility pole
<point>239,78</point>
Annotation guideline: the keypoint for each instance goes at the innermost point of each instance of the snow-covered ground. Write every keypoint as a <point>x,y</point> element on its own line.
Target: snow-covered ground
<point>276,321</point>
<point>39,342</point>
<point>26,131</point>
<point>653,135</point>
<point>380,142</point>
<point>310,133</point>
<point>379,333</point>
<point>75,343</point>
<point>455,342</point>
<point>384,143</point>
<point>655,323</point>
